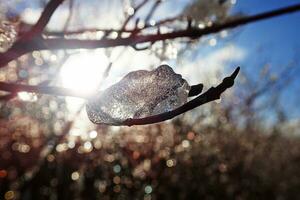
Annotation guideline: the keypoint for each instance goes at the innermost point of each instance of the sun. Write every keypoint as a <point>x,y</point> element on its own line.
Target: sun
<point>83,72</point>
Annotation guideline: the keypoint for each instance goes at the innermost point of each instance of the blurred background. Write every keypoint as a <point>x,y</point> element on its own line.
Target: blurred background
<point>244,146</point>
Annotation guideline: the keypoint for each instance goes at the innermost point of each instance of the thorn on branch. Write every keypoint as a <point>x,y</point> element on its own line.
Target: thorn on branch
<point>195,90</point>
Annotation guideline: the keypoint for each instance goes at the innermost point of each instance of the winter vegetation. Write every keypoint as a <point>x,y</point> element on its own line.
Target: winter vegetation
<point>147,99</point>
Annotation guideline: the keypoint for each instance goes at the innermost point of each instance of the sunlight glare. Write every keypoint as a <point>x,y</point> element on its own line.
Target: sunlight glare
<point>27,96</point>
<point>83,72</point>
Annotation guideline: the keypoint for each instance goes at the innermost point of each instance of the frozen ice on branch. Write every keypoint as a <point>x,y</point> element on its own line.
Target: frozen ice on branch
<point>147,97</point>
<point>139,94</point>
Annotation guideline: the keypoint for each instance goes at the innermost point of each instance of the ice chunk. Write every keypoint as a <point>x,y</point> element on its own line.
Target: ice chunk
<point>8,35</point>
<point>139,94</point>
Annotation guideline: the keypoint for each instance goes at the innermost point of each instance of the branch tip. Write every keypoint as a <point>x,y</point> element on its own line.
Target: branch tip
<point>235,73</point>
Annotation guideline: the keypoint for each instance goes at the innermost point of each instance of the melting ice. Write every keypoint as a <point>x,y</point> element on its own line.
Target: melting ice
<point>139,94</point>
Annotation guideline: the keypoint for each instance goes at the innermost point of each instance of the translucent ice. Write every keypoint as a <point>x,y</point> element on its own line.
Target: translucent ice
<point>8,35</point>
<point>139,94</point>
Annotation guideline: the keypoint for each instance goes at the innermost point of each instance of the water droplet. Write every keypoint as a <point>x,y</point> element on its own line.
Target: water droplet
<point>152,22</point>
<point>201,26</point>
<point>212,42</point>
<point>117,168</point>
<point>130,10</point>
<point>148,189</point>
<point>93,134</point>
<point>75,176</point>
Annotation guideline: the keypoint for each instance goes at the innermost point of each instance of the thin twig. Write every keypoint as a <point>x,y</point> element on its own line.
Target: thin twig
<point>138,7</point>
<point>33,36</point>
<point>71,13</point>
<point>93,30</point>
<point>152,10</point>
<point>44,18</point>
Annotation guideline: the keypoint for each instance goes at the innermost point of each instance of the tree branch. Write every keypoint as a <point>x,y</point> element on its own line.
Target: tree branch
<point>212,94</point>
<point>12,94</point>
<point>39,43</point>
<point>59,43</point>
<point>30,38</point>
<point>87,30</point>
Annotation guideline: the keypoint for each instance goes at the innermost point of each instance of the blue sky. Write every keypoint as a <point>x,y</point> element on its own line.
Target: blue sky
<point>279,39</point>
<point>280,33</point>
